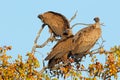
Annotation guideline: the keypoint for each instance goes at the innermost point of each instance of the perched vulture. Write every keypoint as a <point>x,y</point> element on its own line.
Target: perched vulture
<point>57,23</point>
<point>77,45</point>
<point>60,52</point>
<point>86,38</point>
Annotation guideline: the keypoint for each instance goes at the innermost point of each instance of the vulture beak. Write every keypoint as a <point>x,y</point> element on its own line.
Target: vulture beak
<point>40,16</point>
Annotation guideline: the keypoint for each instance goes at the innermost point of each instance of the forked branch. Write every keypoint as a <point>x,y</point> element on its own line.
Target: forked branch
<point>51,38</point>
<point>36,39</point>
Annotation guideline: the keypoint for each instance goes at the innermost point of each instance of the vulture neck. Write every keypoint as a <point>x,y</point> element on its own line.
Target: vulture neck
<point>97,25</point>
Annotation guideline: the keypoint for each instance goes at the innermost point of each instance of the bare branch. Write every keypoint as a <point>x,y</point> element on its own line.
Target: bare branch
<point>36,39</point>
<point>51,38</point>
<point>102,24</point>
<point>73,16</point>
<point>80,24</point>
<point>43,69</point>
<point>84,24</point>
<point>85,70</point>
<point>33,48</point>
<point>41,46</point>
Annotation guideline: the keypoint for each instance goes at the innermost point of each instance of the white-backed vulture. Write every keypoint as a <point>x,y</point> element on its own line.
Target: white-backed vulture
<point>77,45</point>
<point>86,38</point>
<point>57,23</point>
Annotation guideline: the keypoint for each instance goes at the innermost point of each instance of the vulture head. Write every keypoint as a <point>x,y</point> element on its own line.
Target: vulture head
<point>85,39</point>
<point>41,17</point>
<point>96,19</point>
<point>97,22</point>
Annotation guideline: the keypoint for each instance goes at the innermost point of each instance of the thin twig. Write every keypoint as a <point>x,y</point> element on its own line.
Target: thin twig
<point>73,16</point>
<point>81,70</point>
<point>80,24</point>
<point>43,62</point>
<point>84,24</point>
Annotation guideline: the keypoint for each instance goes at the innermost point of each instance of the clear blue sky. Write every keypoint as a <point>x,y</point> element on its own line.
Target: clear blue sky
<point>19,23</point>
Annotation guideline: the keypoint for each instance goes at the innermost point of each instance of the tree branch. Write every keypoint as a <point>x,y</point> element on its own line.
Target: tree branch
<point>84,24</point>
<point>51,38</point>
<point>73,16</point>
<point>80,24</point>
<point>43,69</point>
<point>36,39</point>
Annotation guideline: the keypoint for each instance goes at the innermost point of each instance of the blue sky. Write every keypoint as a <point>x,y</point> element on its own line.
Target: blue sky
<point>19,23</point>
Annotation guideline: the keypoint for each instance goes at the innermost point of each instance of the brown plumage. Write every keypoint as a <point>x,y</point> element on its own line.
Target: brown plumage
<point>78,45</point>
<point>57,23</point>
<point>86,38</point>
<point>60,52</point>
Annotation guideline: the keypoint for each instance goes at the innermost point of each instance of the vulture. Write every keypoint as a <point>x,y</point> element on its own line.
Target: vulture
<point>75,46</point>
<point>86,38</point>
<point>60,52</point>
<point>58,24</point>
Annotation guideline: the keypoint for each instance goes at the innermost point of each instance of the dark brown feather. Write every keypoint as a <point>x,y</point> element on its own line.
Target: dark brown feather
<point>61,48</point>
<point>60,52</point>
<point>52,62</point>
<point>78,45</point>
<point>57,22</point>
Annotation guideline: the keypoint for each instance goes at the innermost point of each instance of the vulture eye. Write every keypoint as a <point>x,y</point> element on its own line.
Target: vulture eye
<point>96,19</point>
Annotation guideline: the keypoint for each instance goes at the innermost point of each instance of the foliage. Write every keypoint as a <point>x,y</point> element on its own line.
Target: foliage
<point>18,70</point>
<point>27,70</point>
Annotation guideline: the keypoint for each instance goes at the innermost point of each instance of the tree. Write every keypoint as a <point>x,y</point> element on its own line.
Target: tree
<point>21,69</point>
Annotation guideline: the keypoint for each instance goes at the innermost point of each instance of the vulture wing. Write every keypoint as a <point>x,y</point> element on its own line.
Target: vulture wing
<point>85,39</point>
<point>61,48</point>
